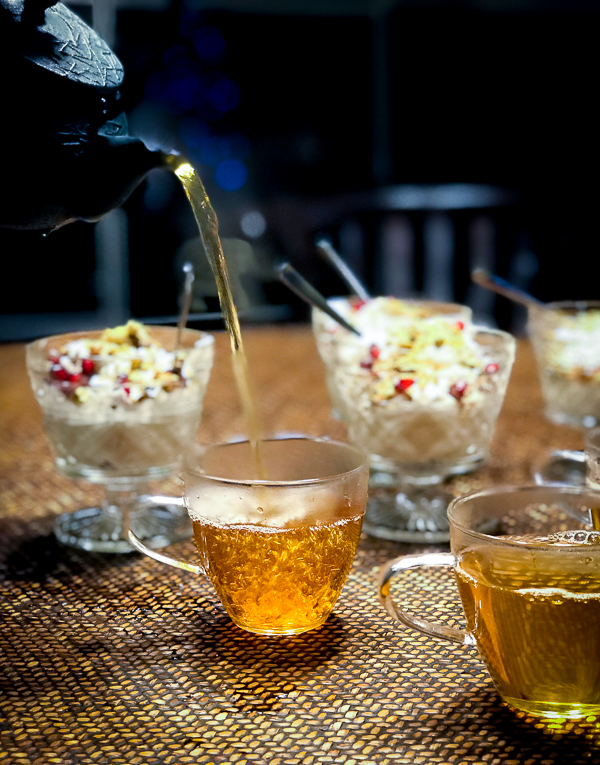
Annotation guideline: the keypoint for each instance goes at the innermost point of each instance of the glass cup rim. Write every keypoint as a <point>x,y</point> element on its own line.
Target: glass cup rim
<point>36,345</point>
<point>509,489</point>
<point>409,300</point>
<point>566,305</point>
<point>90,332</point>
<point>250,482</point>
<point>478,329</point>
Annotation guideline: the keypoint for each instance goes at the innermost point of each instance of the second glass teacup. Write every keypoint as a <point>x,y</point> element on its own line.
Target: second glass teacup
<point>276,550</point>
<point>527,563</point>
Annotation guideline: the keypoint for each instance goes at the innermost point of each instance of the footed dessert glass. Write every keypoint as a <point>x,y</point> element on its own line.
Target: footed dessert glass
<point>120,408</point>
<point>566,342</point>
<point>424,412</point>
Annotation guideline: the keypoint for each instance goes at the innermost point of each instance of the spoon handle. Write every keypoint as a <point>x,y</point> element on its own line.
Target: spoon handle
<point>500,286</point>
<point>325,249</point>
<point>186,301</point>
<point>298,284</point>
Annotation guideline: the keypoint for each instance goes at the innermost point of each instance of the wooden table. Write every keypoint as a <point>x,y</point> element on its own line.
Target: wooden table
<point>115,659</point>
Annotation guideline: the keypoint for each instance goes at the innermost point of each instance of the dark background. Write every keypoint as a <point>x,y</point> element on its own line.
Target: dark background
<point>334,97</point>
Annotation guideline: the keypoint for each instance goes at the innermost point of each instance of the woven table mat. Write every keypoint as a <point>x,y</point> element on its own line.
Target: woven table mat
<point>117,659</point>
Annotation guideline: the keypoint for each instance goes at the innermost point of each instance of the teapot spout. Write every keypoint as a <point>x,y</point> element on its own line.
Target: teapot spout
<point>116,167</point>
<point>46,192</point>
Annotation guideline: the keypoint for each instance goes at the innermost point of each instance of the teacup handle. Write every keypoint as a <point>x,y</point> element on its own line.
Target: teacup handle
<point>160,557</point>
<point>429,628</point>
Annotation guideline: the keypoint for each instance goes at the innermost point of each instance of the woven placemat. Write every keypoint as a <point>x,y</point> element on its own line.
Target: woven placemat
<point>121,660</point>
<point>117,659</point>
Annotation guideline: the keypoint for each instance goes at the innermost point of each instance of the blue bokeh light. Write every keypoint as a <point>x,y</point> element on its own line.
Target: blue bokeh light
<point>193,131</point>
<point>210,45</point>
<point>224,94</point>
<point>173,54</point>
<point>191,88</point>
<point>231,174</point>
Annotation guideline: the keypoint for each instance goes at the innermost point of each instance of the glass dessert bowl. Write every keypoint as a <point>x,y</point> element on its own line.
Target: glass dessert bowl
<point>423,402</point>
<point>121,409</point>
<point>566,343</point>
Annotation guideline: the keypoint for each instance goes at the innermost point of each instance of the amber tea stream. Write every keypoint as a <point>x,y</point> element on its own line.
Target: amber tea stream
<point>208,226</point>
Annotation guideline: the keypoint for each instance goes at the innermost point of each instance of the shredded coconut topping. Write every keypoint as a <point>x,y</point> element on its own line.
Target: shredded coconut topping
<point>125,362</point>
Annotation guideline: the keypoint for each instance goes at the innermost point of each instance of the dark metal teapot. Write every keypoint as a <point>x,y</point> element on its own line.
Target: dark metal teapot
<point>66,154</point>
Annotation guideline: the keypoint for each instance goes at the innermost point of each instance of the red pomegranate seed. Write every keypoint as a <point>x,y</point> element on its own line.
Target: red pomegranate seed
<point>374,351</point>
<point>358,304</point>
<point>366,364</point>
<point>87,366</point>
<point>122,378</point>
<point>54,359</point>
<point>458,389</point>
<point>491,368</point>
<point>460,325</point>
<point>403,385</point>
<point>61,374</point>
<point>126,389</point>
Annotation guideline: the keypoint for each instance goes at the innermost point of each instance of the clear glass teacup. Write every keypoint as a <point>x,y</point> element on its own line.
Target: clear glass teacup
<point>527,564</point>
<point>277,550</point>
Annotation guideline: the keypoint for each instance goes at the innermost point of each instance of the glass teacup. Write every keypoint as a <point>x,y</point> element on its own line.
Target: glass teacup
<point>110,424</point>
<point>276,550</point>
<point>527,563</point>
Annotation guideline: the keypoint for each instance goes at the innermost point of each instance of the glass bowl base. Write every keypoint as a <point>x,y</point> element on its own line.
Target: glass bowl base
<point>415,515</point>
<point>101,529</point>
<point>561,466</point>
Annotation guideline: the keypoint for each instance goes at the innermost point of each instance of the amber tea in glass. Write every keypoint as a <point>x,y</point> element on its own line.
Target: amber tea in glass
<point>527,563</point>
<point>276,551</point>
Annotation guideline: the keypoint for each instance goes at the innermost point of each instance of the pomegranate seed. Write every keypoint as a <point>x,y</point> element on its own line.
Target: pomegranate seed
<point>126,389</point>
<point>54,359</point>
<point>460,325</point>
<point>491,368</point>
<point>75,378</point>
<point>374,351</point>
<point>458,389</point>
<point>403,385</point>
<point>61,374</point>
<point>366,364</point>
<point>122,378</point>
<point>87,366</point>
<point>358,304</point>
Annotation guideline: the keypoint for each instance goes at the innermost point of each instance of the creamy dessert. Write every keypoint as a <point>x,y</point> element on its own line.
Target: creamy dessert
<point>373,318</point>
<point>423,392</point>
<point>566,341</point>
<point>122,402</point>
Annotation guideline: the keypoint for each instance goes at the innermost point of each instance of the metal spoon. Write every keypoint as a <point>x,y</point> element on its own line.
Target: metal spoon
<point>325,249</point>
<point>186,300</point>
<point>298,284</point>
<point>506,289</point>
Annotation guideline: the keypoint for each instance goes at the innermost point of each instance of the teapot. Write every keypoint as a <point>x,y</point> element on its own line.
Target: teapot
<point>67,154</point>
